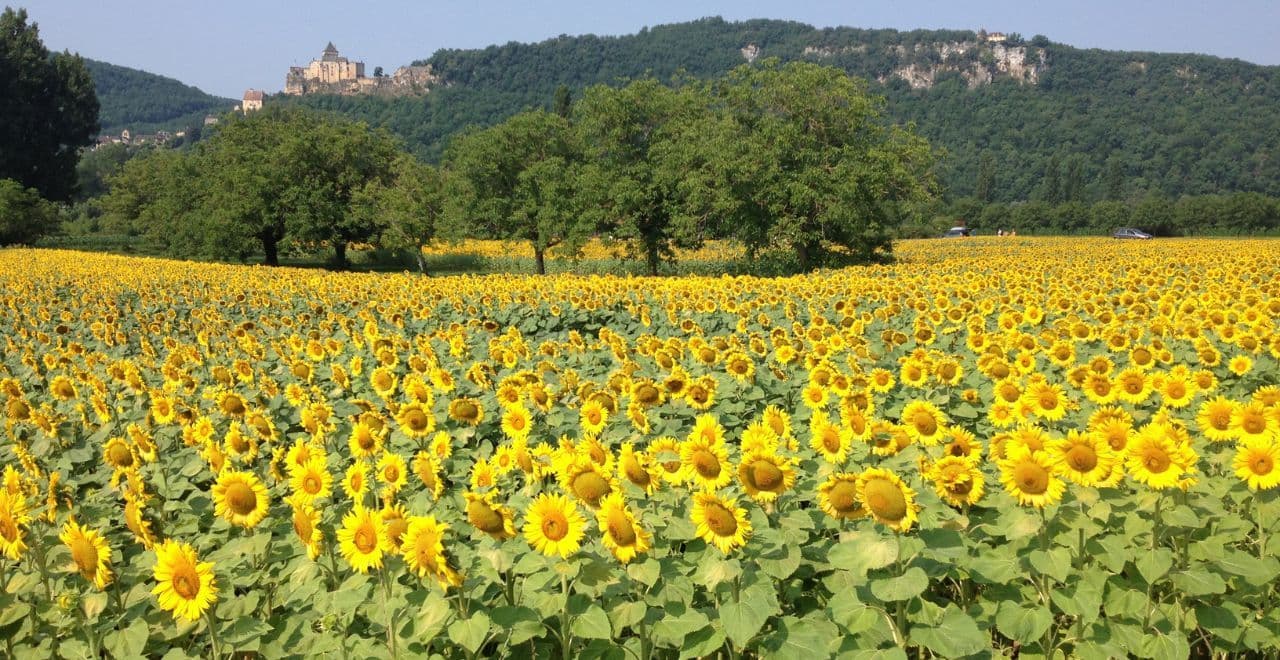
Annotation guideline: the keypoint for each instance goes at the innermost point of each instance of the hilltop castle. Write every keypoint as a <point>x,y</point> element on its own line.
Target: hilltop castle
<point>335,74</point>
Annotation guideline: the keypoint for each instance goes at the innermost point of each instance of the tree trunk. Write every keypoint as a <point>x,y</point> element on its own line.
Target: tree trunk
<point>340,254</point>
<point>803,255</point>
<point>422,262</point>
<point>269,248</point>
<point>540,260</point>
<point>651,258</point>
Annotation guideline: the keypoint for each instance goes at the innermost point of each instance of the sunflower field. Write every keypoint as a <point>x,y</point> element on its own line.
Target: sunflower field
<point>1023,447</point>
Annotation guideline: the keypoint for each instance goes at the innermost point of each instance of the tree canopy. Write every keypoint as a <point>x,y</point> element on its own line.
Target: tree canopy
<point>48,106</point>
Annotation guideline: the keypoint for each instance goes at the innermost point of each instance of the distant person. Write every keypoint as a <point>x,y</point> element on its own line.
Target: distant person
<point>999,232</point>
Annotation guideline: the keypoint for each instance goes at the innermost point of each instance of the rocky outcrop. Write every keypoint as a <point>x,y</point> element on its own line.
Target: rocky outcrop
<point>978,63</point>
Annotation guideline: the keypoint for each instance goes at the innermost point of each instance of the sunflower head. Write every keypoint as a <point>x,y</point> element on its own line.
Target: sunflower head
<point>1255,463</point>
<point>622,534</point>
<point>554,526</point>
<point>240,498</point>
<point>487,515</point>
<point>185,586</point>
<point>887,499</point>
<point>362,539</point>
<point>720,521</point>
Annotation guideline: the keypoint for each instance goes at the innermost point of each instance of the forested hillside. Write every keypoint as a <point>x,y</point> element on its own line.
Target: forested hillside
<point>1018,119</point>
<point>144,102</point>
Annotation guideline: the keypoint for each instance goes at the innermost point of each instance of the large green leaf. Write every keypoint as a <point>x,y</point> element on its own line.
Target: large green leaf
<point>956,635</point>
<point>1025,624</point>
<point>1154,564</point>
<point>470,633</point>
<point>862,551</point>
<point>129,642</point>
<point>908,585</point>
<point>743,619</point>
<point>591,624</point>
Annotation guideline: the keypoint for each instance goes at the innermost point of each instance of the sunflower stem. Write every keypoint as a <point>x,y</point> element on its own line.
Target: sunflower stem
<point>391,615</point>
<point>565,645</point>
<point>1262,528</point>
<point>38,551</point>
<point>213,634</point>
<point>1155,523</point>
<point>646,646</point>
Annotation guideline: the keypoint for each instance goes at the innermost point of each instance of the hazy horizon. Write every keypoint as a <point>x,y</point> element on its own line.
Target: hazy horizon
<point>245,45</point>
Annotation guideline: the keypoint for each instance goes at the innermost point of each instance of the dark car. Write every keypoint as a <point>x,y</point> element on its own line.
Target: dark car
<point>956,232</point>
<point>1130,232</point>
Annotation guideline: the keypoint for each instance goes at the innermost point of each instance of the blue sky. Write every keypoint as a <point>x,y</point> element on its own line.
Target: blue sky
<point>227,46</point>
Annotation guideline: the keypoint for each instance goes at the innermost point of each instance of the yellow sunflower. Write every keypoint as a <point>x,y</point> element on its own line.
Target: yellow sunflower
<point>622,534</point>
<point>119,454</point>
<point>416,420</point>
<point>364,441</point>
<point>1028,475</point>
<point>392,473</point>
<point>467,411</point>
<point>1255,463</point>
<point>665,454</point>
<point>424,553</point>
<point>887,499</point>
<point>765,475</point>
<point>587,480</point>
<point>838,496</point>
<point>1177,392</point>
<point>356,481</point>
<point>90,554</point>
<point>720,522</point>
<point>705,460</point>
<point>1251,421</point>
<point>1046,400</point>
<point>311,481</point>
<point>306,525</point>
<point>362,539</point>
<point>394,522</point>
<point>517,422</point>
<point>592,418</point>
<point>1160,456</point>
<point>957,480</point>
<point>778,421</point>
<point>639,469</point>
<point>924,421</point>
<point>427,468</point>
<point>240,498</point>
<point>487,515</point>
<point>1214,418</point>
<point>554,526</point>
<point>962,444</point>
<point>830,440</point>
<point>383,381</point>
<point>186,586</point>
<point>1134,385</point>
<point>1082,458</point>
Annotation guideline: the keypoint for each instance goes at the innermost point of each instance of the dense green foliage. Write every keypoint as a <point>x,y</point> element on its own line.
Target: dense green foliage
<point>48,108</point>
<point>24,215</point>
<point>145,102</point>
<point>1192,215</point>
<point>280,173</point>
<point>1128,123</point>
<point>794,159</point>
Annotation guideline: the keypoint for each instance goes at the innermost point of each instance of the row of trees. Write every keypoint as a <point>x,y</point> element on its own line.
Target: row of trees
<point>1235,213</point>
<point>793,158</point>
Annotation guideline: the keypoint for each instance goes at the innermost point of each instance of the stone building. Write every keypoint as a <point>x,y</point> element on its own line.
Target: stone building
<point>330,69</point>
<point>252,101</point>
<point>335,74</point>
